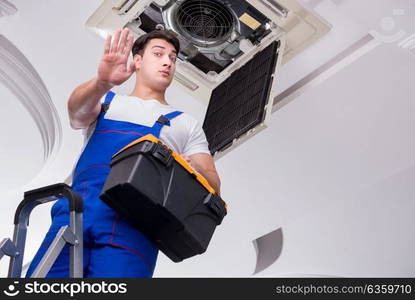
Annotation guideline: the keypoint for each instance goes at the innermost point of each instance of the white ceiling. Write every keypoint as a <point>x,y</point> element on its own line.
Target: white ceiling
<point>334,170</point>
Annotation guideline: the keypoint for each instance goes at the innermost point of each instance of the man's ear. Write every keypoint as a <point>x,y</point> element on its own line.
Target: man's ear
<point>137,61</point>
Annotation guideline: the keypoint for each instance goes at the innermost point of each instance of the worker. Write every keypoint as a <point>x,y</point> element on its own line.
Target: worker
<point>113,247</point>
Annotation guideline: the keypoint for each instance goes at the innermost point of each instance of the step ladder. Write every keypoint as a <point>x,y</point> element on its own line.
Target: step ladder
<point>71,234</point>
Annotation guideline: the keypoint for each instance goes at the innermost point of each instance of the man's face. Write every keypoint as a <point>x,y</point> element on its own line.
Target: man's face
<point>157,65</point>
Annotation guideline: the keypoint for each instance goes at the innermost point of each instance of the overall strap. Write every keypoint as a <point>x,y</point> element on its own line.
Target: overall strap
<point>108,98</point>
<point>165,119</point>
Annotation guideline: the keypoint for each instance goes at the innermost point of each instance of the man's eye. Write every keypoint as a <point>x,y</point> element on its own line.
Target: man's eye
<point>157,53</point>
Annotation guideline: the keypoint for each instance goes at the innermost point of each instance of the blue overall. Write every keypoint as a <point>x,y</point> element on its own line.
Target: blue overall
<point>112,247</point>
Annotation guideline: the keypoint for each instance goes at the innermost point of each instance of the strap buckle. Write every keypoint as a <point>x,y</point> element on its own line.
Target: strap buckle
<point>163,120</point>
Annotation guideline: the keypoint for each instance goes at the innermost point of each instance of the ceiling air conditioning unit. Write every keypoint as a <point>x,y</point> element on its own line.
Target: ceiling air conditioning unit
<point>230,53</point>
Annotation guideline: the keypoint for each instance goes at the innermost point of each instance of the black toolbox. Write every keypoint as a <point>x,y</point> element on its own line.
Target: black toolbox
<point>157,191</point>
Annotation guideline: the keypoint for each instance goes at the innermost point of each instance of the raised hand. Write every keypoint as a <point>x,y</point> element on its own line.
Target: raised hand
<point>113,69</point>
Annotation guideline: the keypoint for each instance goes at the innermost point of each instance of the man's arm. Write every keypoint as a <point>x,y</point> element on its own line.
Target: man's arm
<point>83,104</point>
<point>204,164</point>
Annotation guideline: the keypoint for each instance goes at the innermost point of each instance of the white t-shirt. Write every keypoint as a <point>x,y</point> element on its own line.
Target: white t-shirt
<point>184,135</point>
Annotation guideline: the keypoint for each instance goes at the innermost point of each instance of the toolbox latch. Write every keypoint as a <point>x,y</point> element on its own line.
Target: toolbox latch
<point>217,205</point>
<point>162,153</point>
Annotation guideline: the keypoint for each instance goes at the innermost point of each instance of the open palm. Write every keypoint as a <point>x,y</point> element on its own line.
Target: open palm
<point>113,69</point>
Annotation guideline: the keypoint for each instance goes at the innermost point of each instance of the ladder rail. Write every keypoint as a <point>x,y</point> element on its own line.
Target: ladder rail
<point>32,199</point>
